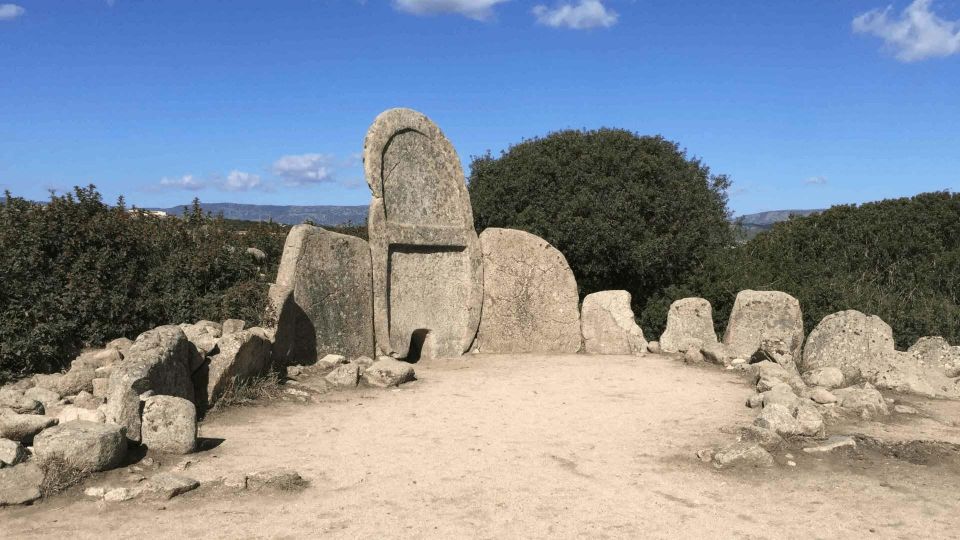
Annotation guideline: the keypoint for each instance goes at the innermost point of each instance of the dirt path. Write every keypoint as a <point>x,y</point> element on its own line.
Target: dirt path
<point>510,447</point>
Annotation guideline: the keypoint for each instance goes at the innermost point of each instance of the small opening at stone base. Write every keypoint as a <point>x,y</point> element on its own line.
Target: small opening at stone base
<point>417,340</point>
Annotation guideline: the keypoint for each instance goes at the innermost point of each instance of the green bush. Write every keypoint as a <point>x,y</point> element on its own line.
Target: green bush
<point>628,212</point>
<point>897,259</point>
<point>76,272</point>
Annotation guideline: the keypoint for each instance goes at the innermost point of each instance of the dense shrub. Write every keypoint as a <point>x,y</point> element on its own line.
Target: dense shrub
<point>76,272</point>
<point>898,259</point>
<point>628,212</point>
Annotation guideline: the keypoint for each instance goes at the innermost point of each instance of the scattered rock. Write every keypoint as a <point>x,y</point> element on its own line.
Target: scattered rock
<point>282,479</point>
<point>232,326</point>
<point>705,455</point>
<point>783,395</point>
<point>121,344</point>
<point>759,315</point>
<point>169,425</point>
<point>779,419</point>
<point>776,351</point>
<point>863,399</point>
<point>101,387</point>
<point>822,396</point>
<point>203,334</point>
<point>50,382</point>
<point>47,397</point>
<point>243,355</point>
<point>905,409</point>
<point>717,353</point>
<point>96,358</point>
<point>769,374</point>
<point>810,419</point>
<point>120,494</point>
<point>530,298</point>
<point>20,484</point>
<point>387,372</point>
<point>16,401</point>
<point>168,485</point>
<point>344,376</point>
<point>257,255</point>
<point>75,381</point>
<point>87,445</point>
<point>769,439</point>
<point>11,453</point>
<point>97,492</point>
<point>331,361</point>
<point>85,400</point>
<point>755,401</point>
<point>235,481</point>
<point>693,356</point>
<point>22,427</point>
<point>831,444</point>
<point>654,347</point>
<point>828,377</point>
<point>689,325</point>
<point>72,413</point>
<point>365,361</point>
<point>743,454</point>
<point>608,324</point>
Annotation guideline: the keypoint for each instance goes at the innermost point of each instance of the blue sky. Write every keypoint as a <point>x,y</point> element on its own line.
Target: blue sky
<point>803,104</point>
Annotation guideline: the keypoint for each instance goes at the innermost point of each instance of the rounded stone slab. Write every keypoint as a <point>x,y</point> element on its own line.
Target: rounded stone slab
<point>855,343</point>
<point>427,273</point>
<point>608,325</point>
<point>689,323</point>
<point>759,315</point>
<point>169,425</point>
<point>529,296</point>
<point>88,445</point>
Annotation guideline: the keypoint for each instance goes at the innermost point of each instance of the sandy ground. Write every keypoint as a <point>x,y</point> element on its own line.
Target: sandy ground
<point>520,447</point>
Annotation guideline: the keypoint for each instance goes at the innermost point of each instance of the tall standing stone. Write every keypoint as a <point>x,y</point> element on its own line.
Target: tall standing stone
<point>529,296</point>
<point>759,315</point>
<point>330,304</point>
<point>689,324</point>
<point>427,273</point>
<point>609,326</point>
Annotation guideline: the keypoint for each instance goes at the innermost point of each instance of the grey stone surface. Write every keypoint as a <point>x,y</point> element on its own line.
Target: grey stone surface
<point>529,296</point>
<point>344,376</point>
<point>330,306</point>
<point>20,485</point>
<point>167,485</point>
<point>767,438</point>
<point>759,315</point>
<point>11,453</point>
<point>96,358</point>
<point>776,351</point>
<point>75,381</point>
<point>828,377</point>
<point>242,355</point>
<point>169,425</point>
<point>810,419</point>
<point>689,324</point>
<point>203,334</point>
<point>608,324</point>
<point>47,397</point>
<point>71,413</point>
<point>743,454</point>
<point>232,326</point>
<point>654,347</point>
<point>22,427</point>
<point>121,344</point>
<point>386,372</point>
<point>858,345</point>
<point>831,444</point>
<point>15,400</point>
<point>425,254</point>
<point>87,445</point>
<point>717,353</point>
<point>822,396</point>
<point>159,361</point>
<point>779,419</point>
<point>863,399</point>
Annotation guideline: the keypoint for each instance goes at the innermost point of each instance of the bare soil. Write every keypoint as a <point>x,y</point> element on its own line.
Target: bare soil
<point>534,447</point>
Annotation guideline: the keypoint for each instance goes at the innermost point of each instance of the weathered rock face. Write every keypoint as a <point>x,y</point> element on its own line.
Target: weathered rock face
<point>159,361</point>
<point>864,400</point>
<point>689,324</point>
<point>71,413</point>
<point>759,315</point>
<point>96,358</point>
<point>18,402</point>
<point>427,273</point>
<point>22,427</point>
<point>11,453</point>
<point>909,372</point>
<point>169,425</point>
<point>20,484</point>
<point>858,345</point>
<point>937,352</point>
<point>608,325</point>
<point>330,309</point>
<point>344,376</point>
<point>232,326</point>
<point>743,454</point>
<point>87,445</point>
<point>829,377</point>
<point>386,372</point>
<point>203,334</point>
<point>529,296</point>
<point>47,397</point>
<point>776,351</point>
<point>242,355</point>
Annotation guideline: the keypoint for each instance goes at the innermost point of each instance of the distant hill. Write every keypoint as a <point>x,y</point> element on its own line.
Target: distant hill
<point>288,215</point>
<point>754,224</point>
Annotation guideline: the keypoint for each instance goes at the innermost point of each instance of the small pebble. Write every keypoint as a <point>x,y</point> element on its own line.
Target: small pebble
<point>792,463</point>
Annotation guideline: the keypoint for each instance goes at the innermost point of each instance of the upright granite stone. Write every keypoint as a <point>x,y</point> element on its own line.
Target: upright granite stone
<point>759,315</point>
<point>330,308</point>
<point>529,296</point>
<point>689,324</point>
<point>243,355</point>
<point>608,325</point>
<point>858,345</point>
<point>160,362</point>
<point>427,273</point>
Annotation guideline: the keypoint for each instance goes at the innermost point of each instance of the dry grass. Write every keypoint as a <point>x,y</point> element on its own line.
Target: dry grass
<point>244,392</point>
<point>59,474</point>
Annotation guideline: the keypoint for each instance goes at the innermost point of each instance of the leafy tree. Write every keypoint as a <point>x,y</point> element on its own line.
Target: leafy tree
<point>628,212</point>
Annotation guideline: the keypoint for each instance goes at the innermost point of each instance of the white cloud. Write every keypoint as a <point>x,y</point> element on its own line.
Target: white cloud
<point>918,32</point>
<point>304,169</point>
<point>241,181</point>
<point>585,14</point>
<point>9,12</point>
<point>816,181</point>
<point>475,9</point>
<point>187,182</point>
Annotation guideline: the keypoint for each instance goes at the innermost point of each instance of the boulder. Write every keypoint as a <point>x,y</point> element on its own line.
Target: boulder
<point>608,325</point>
<point>776,351</point>
<point>75,381</point>
<point>22,427</point>
<point>203,335</point>
<point>85,400</point>
<point>50,382</point>
<point>121,344</point>
<point>11,453</point>
<point>169,425</point>
<point>243,355</point>
<point>326,306</point>
<point>766,438</point>
<point>829,377</point>
<point>71,413</point>
<point>20,484</point>
<point>18,402</point>
<point>782,395</point>
<point>49,398</point>
<point>936,351</point>
<point>101,387</point>
<point>654,347</point>
<point>232,326</point>
<point>910,373</point>
<point>529,296</point>
<point>159,362</point>
<point>864,400</point>
<point>759,315</point>
<point>768,375</point>
<point>810,419</point>
<point>386,372</point>
<point>96,358</point>
<point>779,419</point>
<point>87,445</point>
<point>743,454</point>
<point>257,255</point>
<point>858,345</point>
<point>717,353</point>
<point>693,356</point>
<point>279,479</point>
<point>344,376</point>
<point>689,325</point>
<point>331,361</point>
<point>822,396</point>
